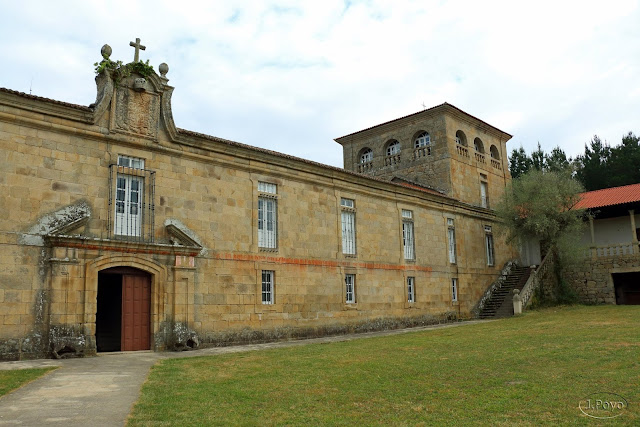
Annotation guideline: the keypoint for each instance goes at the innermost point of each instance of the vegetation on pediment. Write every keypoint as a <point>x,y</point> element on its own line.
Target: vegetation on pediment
<point>121,71</point>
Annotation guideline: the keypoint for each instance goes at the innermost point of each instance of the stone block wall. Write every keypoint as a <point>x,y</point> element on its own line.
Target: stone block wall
<point>592,277</point>
<point>48,282</point>
<point>457,170</point>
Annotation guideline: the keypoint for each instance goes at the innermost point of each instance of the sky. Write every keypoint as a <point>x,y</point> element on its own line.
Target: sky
<point>291,76</point>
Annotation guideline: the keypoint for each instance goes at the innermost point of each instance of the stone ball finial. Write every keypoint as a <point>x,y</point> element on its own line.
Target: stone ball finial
<point>106,51</point>
<point>163,68</point>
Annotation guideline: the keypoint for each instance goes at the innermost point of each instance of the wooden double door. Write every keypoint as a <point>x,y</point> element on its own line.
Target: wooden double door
<point>123,317</point>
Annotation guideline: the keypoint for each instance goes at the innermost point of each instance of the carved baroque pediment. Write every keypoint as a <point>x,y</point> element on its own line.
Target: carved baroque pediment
<point>138,99</point>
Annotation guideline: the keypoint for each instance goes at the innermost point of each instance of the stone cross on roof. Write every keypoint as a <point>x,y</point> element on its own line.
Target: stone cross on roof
<point>138,46</point>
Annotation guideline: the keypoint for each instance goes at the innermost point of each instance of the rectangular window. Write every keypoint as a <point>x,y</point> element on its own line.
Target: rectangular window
<point>454,290</point>
<point>347,203</point>
<point>267,286</point>
<point>350,288</point>
<point>484,195</point>
<point>266,187</point>
<point>267,216</point>
<point>348,227</point>
<point>129,196</point>
<point>407,240</point>
<point>451,231</point>
<point>411,289</point>
<point>489,245</point>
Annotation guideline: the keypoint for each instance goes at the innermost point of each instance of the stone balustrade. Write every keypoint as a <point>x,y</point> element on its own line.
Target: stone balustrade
<point>421,152</point>
<point>496,164</point>
<point>394,159</point>
<point>614,250</point>
<point>462,150</point>
<point>480,158</point>
<point>365,167</point>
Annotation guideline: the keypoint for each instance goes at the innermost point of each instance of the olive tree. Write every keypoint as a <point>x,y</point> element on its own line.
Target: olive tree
<point>542,206</point>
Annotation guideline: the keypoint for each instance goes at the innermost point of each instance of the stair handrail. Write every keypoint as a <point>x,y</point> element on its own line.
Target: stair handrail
<point>497,284</point>
<point>535,280</point>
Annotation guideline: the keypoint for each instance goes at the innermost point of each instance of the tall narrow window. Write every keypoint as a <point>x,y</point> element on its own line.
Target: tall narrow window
<point>267,286</point>
<point>484,192</point>
<point>267,216</point>
<point>488,236</point>
<point>129,196</point>
<point>350,288</point>
<point>411,289</point>
<point>451,231</point>
<point>407,235</point>
<point>454,290</point>
<point>348,215</point>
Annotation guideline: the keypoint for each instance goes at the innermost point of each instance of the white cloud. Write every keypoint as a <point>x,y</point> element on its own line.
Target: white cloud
<point>292,76</point>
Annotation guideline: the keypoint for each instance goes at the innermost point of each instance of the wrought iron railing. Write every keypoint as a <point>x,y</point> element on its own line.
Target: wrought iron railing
<point>131,211</point>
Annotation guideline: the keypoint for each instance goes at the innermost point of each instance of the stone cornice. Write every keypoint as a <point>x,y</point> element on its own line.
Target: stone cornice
<point>441,109</point>
<point>225,153</point>
<point>45,106</point>
<point>125,246</point>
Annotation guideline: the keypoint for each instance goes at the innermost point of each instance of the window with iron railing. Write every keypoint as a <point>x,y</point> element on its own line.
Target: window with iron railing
<point>268,283</point>
<point>411,289</point>
<point>131,196</point>
<point>348,217</point>
<point>451,232</point>
<point>267,216</point>
<point>407,235</point>
<point>488,240</point>
<point>350,288</point>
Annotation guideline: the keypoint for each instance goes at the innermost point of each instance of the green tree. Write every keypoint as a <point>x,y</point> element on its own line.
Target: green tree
<point>519,162</point>
<point>624,162</point>
<point>557,161</point>
<point>537,159</point>
<point>591,168</point>
<point>541,206</point>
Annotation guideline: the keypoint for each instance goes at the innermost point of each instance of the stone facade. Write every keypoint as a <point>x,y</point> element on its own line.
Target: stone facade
<point>69,182</point>
<point>457,167</point>
<point>593,279</point>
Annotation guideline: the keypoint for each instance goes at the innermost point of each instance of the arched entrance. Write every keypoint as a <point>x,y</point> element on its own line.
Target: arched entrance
<point>123,315</point>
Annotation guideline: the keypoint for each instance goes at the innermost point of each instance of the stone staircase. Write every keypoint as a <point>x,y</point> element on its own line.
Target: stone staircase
<point>500,304</point>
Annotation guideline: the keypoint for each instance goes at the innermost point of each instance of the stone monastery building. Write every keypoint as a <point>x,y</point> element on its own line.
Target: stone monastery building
<point>120,231</point>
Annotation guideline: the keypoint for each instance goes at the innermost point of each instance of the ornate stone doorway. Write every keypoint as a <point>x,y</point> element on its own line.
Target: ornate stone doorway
<point>123,316</point>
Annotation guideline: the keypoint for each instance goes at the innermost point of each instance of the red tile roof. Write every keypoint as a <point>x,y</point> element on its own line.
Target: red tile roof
<point>420,187</point>
<point>610,197</point>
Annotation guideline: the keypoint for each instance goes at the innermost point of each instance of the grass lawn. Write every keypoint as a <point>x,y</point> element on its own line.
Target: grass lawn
<point>529,370</point>
<point>11,380</point>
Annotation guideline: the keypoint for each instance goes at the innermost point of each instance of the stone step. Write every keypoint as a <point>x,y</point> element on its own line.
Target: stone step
<point>501,302</point>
